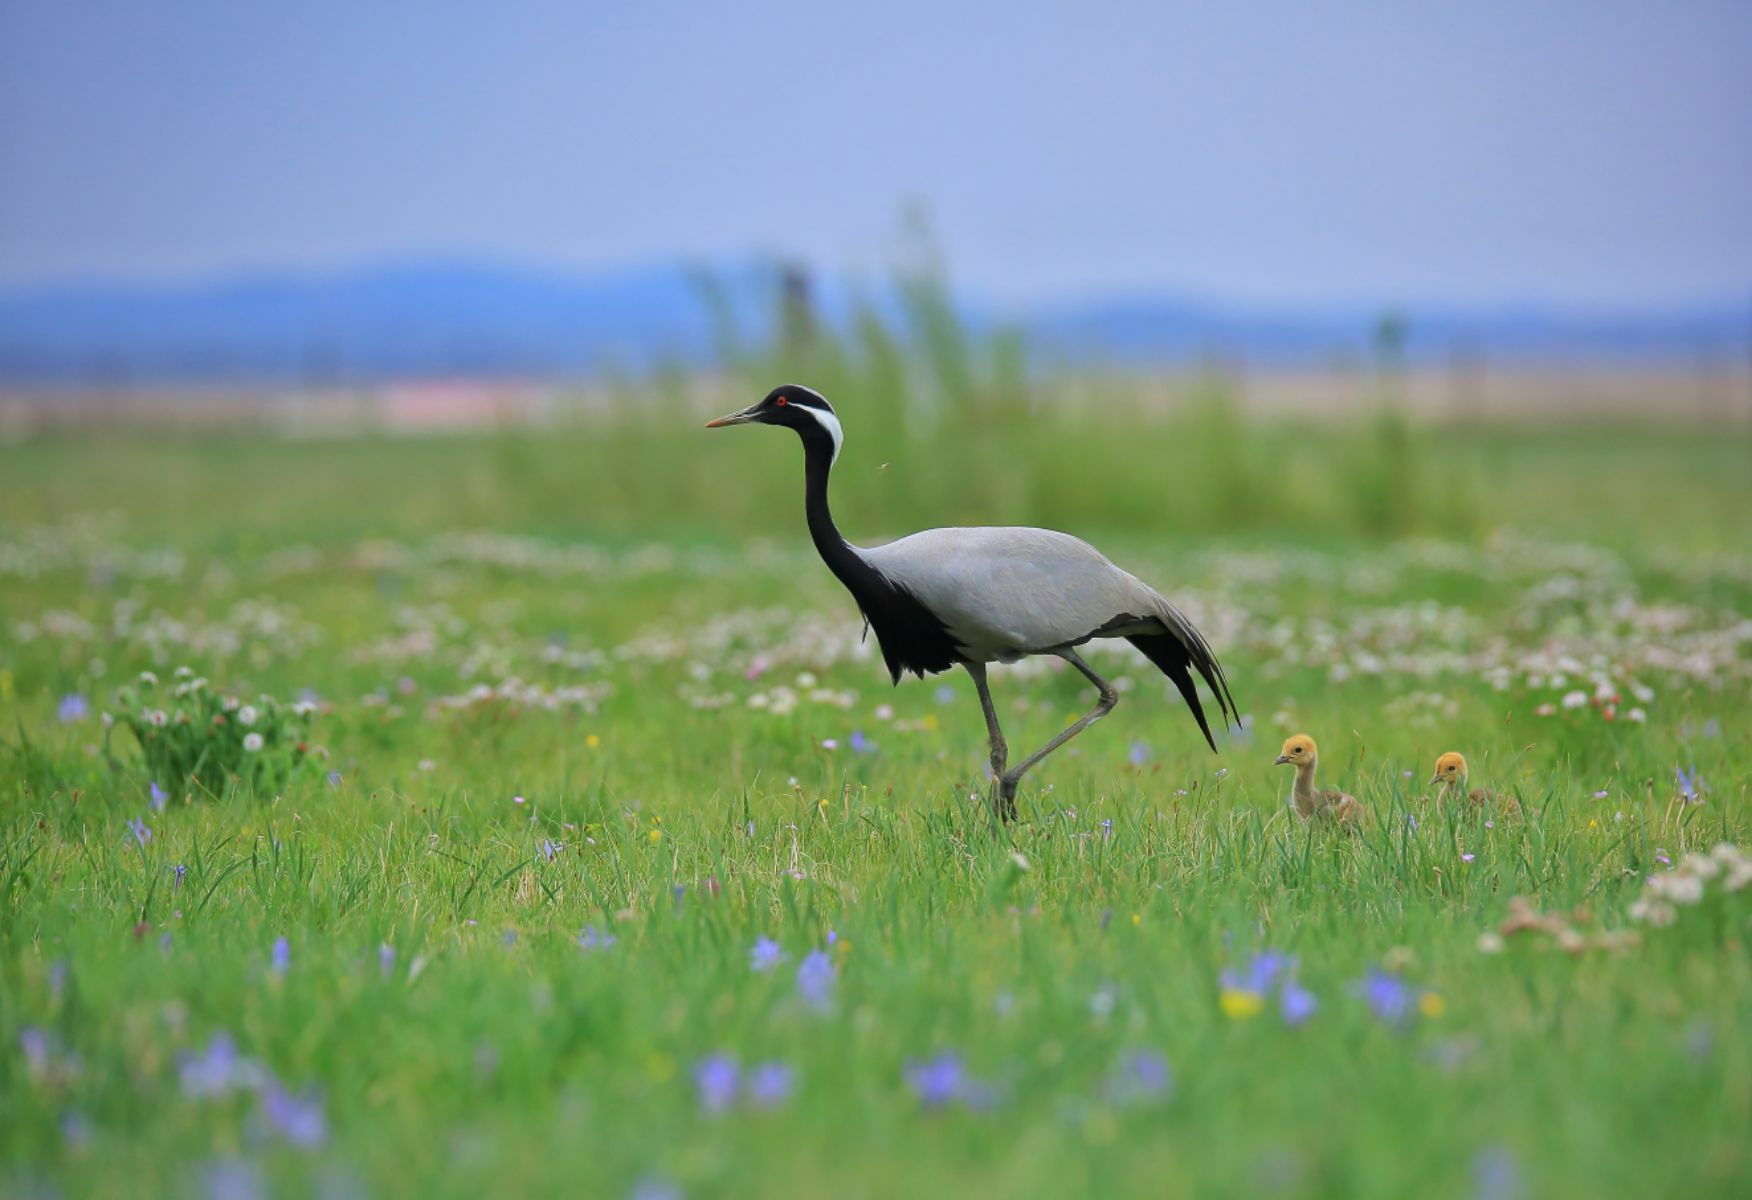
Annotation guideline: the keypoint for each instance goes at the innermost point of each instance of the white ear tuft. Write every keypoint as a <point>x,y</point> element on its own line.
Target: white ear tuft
<point>830,423</point>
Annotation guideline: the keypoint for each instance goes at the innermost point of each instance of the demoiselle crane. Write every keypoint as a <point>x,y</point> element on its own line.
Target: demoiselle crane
<point>973,596</point>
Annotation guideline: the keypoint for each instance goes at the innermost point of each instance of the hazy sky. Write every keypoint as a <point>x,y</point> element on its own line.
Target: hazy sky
<point>1592,152</point>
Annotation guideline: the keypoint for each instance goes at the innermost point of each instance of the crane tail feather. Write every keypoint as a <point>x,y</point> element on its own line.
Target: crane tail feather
<point>1176,653</point>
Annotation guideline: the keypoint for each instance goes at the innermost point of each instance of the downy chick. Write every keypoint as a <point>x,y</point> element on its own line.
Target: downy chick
<point>1451,775</point>
<point>1311,803</point>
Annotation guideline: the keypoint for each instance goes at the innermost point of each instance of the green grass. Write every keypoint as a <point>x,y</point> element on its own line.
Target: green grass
<point>665,574</point>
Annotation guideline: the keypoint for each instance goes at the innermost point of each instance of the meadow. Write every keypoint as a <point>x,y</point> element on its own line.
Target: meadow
<point>574,842</point>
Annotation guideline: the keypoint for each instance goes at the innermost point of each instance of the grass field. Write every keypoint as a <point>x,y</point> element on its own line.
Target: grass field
<point>611,864</point>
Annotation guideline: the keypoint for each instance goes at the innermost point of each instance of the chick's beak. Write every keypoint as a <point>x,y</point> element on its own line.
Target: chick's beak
<point>1281,760</point>
<point>1434,779</point>
<point>736,418</point>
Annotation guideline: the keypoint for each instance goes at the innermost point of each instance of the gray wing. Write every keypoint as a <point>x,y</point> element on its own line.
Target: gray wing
<point>1005,591</point>
<point>1008,591</point>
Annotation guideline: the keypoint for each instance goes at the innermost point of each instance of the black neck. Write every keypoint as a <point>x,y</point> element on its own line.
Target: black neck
<point>834,550</point>
<point>911,637</point>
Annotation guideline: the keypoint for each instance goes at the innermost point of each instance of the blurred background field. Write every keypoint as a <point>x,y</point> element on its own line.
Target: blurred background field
<point>432,763</point>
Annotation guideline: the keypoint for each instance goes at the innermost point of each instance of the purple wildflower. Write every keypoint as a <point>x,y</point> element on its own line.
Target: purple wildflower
<point>718,1078</point>
<point>1143,1075</point>
<point>177,874</point>
<point>678,894</point>
<point>592,938</point>
<point>73,708</point>
<point>142,832</point>
<point>1691,785</point>
<point>1390,998</point>
<point>508,938</point>
<point>233,1179</point>
<point>35,1045</point>
<point>159,796</point>
<point>334,780</point>
<point>1296,1003</point>
<point>861,744</point>
<point>218,1070</point>
<point>1495,1175</point>
<point>832,936</point>
<point>769,1084</point>
<point>385,958</point>
<point>75,1131</point>
<point>1107,827</point>
<point>815,980</point>
<point>944,694</point>
<point>1140,754</point>
<point>1263,971</point>
<point>654,1189</point>
<point>549,848</point>
<point>282,957</point>
<point>939,1081</point>
<point>1411,822</point>
<point>299,1119</point>
<point>1466,858</point>
<point>765,954</point>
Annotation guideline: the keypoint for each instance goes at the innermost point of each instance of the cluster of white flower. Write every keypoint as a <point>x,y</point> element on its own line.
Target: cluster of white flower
<point>86,545</point>
<point>516,693</point>
<point>1688,883</point>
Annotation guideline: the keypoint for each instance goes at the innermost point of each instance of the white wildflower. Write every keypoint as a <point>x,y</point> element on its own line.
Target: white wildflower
<point>1653,912</point>
<point>1683,889</point>
<point>252,742</point>
<point>247,715</point>
<point>1701,865</point>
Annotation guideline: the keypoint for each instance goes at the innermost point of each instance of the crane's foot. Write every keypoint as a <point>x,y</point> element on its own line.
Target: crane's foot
<point>1004,799</point>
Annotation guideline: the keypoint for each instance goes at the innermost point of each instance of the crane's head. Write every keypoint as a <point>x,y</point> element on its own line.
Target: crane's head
<point>1298,750</point>
<point>1450,768</point>
<point>803,409</point>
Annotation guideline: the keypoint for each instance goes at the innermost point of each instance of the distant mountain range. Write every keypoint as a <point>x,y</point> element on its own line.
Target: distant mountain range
<point>468,319</point>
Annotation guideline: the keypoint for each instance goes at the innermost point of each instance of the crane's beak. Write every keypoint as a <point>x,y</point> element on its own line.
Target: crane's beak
<point>736,418</point>
<point>1281,760</point>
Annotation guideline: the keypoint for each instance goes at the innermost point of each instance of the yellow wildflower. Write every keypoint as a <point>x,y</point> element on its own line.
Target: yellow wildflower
<point>655,836</point>
<point>1431,1004</point>
<point>592,741</point>
<point>1239,1004</point>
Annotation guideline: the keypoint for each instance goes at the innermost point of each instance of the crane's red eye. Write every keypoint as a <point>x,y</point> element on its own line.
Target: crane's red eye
<point>781,400</point>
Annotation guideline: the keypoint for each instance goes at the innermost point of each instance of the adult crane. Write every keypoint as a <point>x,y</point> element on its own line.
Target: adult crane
<point>969,596</point>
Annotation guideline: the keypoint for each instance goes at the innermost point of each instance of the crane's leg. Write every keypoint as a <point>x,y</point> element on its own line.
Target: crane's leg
<point>1003,808</point>
<point>1008,780</point>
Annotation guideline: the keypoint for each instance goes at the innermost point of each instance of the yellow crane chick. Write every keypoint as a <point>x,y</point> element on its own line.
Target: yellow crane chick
<point>1310,802</point>
<point>1451,775</point>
